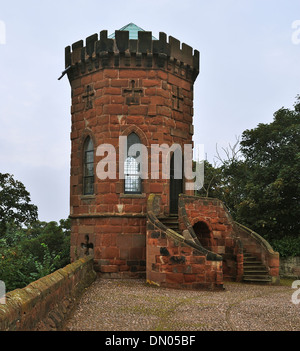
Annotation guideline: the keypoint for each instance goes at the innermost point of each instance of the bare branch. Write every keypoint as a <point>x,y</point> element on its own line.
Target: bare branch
<point>231,152</point>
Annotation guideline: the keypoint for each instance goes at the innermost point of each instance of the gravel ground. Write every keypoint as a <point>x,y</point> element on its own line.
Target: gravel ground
<point>131,305</point>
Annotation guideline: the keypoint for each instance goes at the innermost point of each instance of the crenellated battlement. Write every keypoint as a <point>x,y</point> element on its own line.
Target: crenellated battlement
<point>104,52</point>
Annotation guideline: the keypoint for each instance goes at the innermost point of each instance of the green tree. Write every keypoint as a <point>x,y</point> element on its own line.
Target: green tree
<point>270,198</point>
<point>15,203</point>
<point>55,236</point>
<point>29,249</point>
<point>258,179</point>
<point>27,254</point>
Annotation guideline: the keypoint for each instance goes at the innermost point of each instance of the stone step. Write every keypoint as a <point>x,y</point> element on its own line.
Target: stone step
<point>254,270</point>
<point>171,225</point>
<point>170,222</point>
<point>254,265</point>
<point>169,219</point>
<point>250,258</point>
<point>257,279</point>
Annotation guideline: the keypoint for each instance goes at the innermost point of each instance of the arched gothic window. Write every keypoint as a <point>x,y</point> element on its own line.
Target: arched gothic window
<point>133,181</point>
<point>88,167</point>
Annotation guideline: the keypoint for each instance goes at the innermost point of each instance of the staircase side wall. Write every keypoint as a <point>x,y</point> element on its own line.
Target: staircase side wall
<point>176,262</point>
<point>222,240</point>
<point>46,303</point>
<point>260,249</point>
<point>172,264</point>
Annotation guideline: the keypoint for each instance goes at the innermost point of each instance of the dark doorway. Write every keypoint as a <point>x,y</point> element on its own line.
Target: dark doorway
<point>176,187</point>
<point>203,234</point>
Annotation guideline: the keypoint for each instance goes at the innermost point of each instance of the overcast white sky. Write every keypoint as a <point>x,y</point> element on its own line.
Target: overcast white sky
<point>250,67</point>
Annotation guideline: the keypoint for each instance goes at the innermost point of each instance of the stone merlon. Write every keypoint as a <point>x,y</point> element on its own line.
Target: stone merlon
<point>144,51</point>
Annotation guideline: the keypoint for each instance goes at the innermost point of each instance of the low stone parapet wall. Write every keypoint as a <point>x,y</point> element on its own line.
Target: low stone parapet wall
<point>45,304</point>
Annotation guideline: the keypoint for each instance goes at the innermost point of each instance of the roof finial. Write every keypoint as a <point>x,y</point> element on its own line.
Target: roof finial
<point>133,30</point>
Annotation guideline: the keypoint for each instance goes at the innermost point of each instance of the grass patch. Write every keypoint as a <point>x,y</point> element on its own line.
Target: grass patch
<point>286,281</point>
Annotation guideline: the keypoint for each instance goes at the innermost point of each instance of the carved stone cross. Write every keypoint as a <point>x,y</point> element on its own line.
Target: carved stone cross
<point>87,245</point>
<point>132,94</point>
<point>177,98</point>
<point>88,97</point>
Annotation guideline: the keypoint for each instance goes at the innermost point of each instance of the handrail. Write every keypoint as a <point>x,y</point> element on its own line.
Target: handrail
<point>257,237</point>
<point>252,233</point>
<point>182,201</point>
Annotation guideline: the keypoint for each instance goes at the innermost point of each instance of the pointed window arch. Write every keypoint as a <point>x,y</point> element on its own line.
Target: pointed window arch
<point>133,181</point>
<point>88,167</point>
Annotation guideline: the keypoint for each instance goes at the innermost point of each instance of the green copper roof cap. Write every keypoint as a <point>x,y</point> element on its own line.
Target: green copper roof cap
<point>133,30</point>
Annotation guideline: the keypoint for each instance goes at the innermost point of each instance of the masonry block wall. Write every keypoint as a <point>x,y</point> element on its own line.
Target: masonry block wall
<point>120,86</point>
<point>175,262</point>
<point>213,227</point>
<point>174,265</point>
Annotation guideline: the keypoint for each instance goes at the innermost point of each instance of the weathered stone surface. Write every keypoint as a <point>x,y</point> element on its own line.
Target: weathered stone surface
<point>177,264</point>
<point>45,304</point>
<point>122,86</point>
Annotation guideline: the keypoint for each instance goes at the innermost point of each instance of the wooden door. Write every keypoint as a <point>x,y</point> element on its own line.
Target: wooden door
<point>176,186</point>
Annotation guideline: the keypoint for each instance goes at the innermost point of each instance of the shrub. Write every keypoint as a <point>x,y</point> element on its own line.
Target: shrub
<point>288,246</point>
<point>28,254</point>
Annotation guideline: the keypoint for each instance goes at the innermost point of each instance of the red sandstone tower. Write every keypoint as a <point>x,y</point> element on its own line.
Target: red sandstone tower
<point>135,86</point>
<point>134,215</point>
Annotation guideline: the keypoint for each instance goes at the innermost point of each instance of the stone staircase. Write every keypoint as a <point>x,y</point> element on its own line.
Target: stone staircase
<point>254,270</point>
<point>171,222</point>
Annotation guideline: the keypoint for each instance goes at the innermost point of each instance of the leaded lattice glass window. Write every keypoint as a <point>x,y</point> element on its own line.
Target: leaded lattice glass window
<point>133,181</point>
<point>88,171</point>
